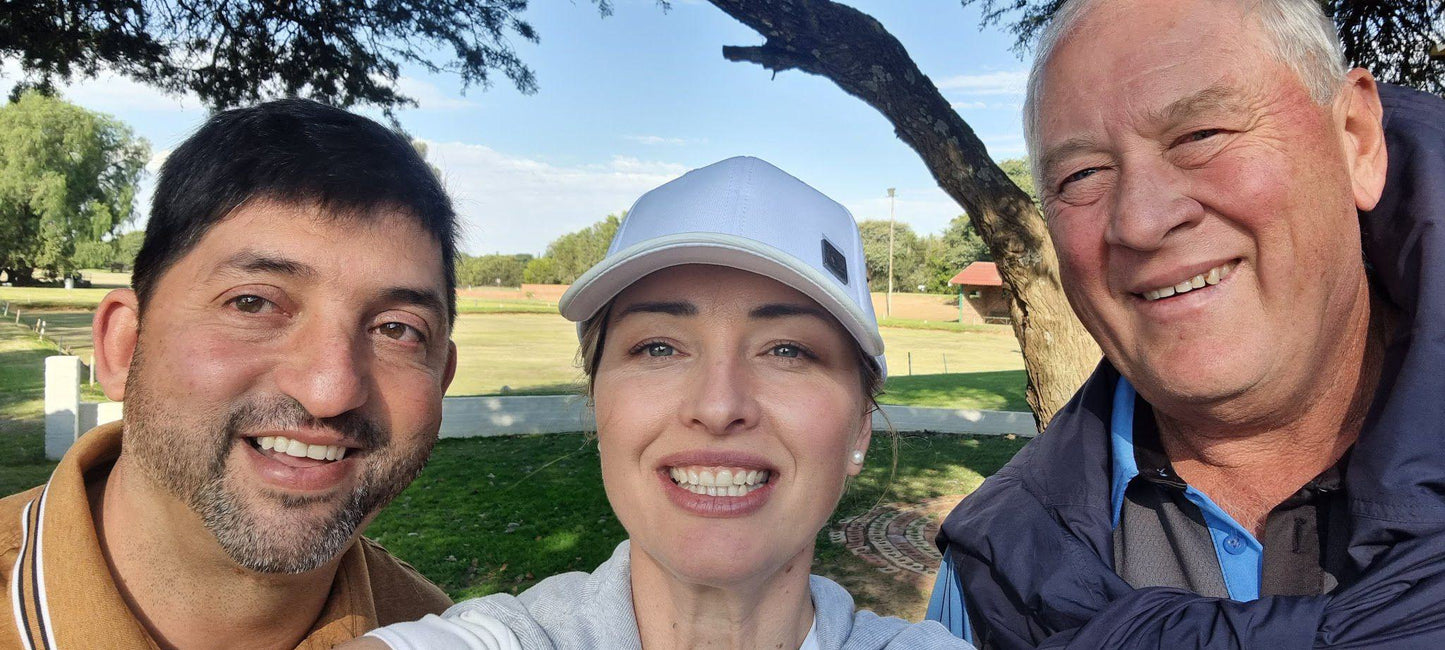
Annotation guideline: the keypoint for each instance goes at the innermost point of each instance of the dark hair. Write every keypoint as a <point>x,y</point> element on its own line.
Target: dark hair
<point>293,151</point>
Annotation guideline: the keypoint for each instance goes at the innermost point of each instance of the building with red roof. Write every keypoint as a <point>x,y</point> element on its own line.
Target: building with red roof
<point>983,298</point>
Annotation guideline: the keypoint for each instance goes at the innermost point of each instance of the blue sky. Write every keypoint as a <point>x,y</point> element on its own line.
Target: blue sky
<point>630,101</point>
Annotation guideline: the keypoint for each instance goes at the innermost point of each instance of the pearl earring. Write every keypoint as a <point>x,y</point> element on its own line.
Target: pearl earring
<point>857,457</point>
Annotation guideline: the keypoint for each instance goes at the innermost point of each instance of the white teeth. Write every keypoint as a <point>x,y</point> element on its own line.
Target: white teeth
<point>717,481</point>
<point>1211,277</point>
<point>298,449</point>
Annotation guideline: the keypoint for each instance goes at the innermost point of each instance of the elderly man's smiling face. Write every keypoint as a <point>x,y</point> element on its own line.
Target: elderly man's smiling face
<point>1204,207</point>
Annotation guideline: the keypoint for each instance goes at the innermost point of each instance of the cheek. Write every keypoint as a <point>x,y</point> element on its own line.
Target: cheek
<point>193,362</point>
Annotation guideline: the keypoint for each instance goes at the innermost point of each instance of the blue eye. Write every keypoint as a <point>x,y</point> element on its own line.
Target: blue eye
<point>659,350</point>
<point>788,350</point>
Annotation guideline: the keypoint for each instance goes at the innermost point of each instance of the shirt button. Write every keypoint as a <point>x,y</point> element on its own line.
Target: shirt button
<point>1233,545</point>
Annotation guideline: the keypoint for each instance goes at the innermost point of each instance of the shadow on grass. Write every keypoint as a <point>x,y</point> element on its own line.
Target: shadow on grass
<point>999,390</point>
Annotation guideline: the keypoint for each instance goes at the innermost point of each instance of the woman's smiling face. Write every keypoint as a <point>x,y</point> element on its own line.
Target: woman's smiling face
<point>728,407</point>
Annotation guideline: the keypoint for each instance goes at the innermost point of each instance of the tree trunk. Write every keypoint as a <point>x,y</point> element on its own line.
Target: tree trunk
<point>853,50</point>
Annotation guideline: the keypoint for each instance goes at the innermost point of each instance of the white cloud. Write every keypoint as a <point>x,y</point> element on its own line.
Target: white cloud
<point>430,97</point>
<point>1004,82</point>
<point>516,204</point>
<point>109,92</point>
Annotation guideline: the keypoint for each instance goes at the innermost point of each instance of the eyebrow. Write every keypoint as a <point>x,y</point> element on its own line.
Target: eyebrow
<point>669,308</point>
<point>786,310</point>
<point>417,297</point>
<point>254,262</point>
<point>1217,97</point>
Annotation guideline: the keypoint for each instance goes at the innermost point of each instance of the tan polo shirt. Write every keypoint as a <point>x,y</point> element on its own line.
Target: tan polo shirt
<point>59,592</point>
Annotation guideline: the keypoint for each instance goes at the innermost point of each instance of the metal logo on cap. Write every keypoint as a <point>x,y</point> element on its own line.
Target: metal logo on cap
<point>834,261</point>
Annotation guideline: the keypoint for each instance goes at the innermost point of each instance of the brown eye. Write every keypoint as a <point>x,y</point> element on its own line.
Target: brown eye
<point>250,304</point>
<point>399,331</point>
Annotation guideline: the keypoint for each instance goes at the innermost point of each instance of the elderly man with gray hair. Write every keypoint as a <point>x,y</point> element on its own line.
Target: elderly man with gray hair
<point>1255,236</point>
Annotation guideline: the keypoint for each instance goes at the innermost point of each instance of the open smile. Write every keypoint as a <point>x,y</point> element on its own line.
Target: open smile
<point>299,466</point>
<point>1185,285</point>
<point>718,484</point>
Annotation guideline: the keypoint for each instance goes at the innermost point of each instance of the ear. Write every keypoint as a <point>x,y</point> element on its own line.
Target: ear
<point>861,442</point>
<point>451,370</point>
<point>1364,137</point>
<point>115,331</point>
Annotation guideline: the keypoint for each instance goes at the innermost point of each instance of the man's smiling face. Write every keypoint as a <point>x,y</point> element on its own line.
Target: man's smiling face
<point>288,377</point>
<point>1202,203</point>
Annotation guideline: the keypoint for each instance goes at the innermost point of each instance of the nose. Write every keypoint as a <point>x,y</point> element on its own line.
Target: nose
<point>326,369</point>
<point>1150,204</point>
<point>721,398</point>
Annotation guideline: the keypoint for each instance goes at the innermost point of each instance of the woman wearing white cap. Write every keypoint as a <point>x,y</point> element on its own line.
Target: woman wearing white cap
<point>733,357</point>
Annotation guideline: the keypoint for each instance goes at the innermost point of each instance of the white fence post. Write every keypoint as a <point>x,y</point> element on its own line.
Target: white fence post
<point>62,404</point>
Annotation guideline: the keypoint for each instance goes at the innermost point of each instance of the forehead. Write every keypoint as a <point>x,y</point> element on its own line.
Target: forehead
<point>711,287</point>
<point>386,245</point>
<point>1129,59</point>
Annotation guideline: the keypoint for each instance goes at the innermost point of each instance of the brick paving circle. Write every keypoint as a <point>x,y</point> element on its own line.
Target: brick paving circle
<point>895,536</point>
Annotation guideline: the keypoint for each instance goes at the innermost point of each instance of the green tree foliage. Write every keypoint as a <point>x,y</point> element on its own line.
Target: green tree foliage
<point>959,246</point>
<point>233,52</point>
<point>67,176</point>
<point>1019,172</point>
<point>492,270</point>
<point>909,253</point>
<point>575,252</point>
<point>1390,38</point>
<point>542,270</point>
<point>127,247</point>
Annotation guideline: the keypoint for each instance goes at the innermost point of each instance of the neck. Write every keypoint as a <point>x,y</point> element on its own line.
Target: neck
<point>773,611</point>
<point>1249,465</point>
<point>182,586</point>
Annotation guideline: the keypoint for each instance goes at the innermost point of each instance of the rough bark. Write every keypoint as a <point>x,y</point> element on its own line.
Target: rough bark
<point>853,50</point>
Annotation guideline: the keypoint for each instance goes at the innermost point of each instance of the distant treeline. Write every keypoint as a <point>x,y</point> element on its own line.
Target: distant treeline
<point>920,262</point>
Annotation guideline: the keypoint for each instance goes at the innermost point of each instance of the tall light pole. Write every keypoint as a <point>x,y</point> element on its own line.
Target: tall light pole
<point>888,302</point>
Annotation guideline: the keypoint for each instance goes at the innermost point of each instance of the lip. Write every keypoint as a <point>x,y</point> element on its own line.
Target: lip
<point>703,505</point>
<point>720,458</point>
<point>1172,276</point>
<point>314,479</point>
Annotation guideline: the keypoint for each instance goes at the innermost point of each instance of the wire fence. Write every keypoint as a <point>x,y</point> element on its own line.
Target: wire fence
<point>37,324</point>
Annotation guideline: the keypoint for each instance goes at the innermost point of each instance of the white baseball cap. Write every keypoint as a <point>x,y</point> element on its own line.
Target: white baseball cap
<point>745,214</point>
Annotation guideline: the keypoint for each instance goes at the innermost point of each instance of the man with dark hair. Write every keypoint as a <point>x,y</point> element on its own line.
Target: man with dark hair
<point>282,359</point>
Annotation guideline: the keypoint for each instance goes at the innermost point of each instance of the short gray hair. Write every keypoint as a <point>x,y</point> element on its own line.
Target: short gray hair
<point>1299,33</point>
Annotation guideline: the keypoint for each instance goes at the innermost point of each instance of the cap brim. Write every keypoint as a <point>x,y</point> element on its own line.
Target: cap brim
<point>603,282</point>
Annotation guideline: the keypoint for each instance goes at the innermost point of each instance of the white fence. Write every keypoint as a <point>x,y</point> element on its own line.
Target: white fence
<point>66,416</point>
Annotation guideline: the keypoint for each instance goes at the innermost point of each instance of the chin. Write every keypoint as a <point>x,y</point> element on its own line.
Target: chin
<point>1197,379</point>
<point>721,561</point>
